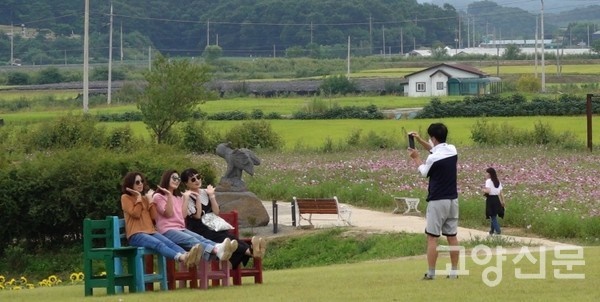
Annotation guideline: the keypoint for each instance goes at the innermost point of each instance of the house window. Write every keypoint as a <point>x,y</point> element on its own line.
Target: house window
<point>440,85</point>
<point>420,86</point>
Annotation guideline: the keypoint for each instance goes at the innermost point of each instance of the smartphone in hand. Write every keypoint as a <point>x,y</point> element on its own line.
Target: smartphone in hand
<point>411,141</point>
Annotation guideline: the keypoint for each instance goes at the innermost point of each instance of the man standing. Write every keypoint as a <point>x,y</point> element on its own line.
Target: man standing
<point>442,196</point>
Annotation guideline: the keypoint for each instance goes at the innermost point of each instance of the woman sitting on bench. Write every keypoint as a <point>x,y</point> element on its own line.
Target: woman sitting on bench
<point>200,201</point>
<point>170,221</point>
<point>139,210</point>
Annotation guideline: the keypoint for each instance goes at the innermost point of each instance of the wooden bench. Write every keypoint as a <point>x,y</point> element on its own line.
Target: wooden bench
<point>144,260</point>
<point>330,206</point>
<point>256,270</point>
<point>99,254</point>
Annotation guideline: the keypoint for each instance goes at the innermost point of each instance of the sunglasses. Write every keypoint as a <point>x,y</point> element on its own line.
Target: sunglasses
<point>175,178</point>
<point>195,178</point>
<point>139,182</point>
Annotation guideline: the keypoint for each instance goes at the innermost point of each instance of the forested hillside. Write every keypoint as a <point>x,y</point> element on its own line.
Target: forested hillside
<point>318,28</point>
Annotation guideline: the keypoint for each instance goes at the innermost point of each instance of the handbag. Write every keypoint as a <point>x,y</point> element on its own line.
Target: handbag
<point>215,222</point>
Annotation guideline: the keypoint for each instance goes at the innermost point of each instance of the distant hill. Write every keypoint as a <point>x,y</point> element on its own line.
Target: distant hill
<point>550,6</point>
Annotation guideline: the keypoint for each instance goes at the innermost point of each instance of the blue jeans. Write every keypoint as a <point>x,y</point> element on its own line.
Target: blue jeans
<point>495,226</point>
<point>187,239</point>
<point>156,242</point>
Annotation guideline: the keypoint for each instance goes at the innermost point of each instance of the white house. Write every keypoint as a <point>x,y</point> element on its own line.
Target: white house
<point>450,79</point>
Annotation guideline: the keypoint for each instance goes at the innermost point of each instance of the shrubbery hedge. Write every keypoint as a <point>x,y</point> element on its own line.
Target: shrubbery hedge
<point>515,105</point>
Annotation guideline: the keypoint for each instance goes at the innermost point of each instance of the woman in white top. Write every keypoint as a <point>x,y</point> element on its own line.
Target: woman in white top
<point>494,202</point>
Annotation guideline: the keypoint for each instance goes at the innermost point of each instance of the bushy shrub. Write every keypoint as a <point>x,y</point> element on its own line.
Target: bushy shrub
<point>199,138</point>
<point>49,75</point>
<point>491,134</point>
<point>229,116</point>
<point>18,78</point>
<point>65,132</point>
<point>338,85</point>
<point>528,83</point>
<point>253,135</point>
<point>47,194</point>
<point>121,139</point>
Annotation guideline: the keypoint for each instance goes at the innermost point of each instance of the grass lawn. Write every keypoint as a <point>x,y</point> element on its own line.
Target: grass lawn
<point>384,280</point>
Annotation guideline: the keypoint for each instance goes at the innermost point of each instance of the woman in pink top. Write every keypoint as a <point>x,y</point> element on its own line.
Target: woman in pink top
<point>171,223</point>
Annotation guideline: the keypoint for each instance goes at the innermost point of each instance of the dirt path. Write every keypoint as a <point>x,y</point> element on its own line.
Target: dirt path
<point>377,222</point>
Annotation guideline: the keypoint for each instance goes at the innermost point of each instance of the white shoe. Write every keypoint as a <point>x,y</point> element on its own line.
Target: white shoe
<point>255,247</point>
<point>224,249</point>
<point>263,247</point>
<point>193,255</point>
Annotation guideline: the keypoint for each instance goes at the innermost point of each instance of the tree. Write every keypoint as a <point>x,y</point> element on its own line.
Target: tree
<point>212,53</point>
<point>596,46</point>
<point>175,88</point>
<point>511,52</point>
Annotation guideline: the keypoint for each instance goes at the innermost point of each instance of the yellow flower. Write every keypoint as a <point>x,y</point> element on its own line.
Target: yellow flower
<point>58,282</point>
<point>16,288</point>
<point>103,274</point>
<point>23,280</point>
<point>80,276</point>
<point>2,279</point>
<point>12,281</point>
<point>73,277</point>
<point>52,279</point>
<point>1,287</point>
<point>30,286</point>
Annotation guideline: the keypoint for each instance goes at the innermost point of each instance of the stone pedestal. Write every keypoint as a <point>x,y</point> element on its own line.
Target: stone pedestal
<point>249,207</point>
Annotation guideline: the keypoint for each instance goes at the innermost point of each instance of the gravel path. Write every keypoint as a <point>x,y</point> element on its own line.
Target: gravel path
<point>375,221</point>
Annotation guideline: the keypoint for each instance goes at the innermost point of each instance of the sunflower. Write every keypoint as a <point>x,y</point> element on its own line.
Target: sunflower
<point>73,277</point>
<point>23,280</point>
<point>2,279</point>
<point>80,276</point>
<point>30,286</point>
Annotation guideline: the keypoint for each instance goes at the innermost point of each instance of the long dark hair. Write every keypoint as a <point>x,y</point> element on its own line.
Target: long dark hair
<point>166,179</point>
<point>493,176</point>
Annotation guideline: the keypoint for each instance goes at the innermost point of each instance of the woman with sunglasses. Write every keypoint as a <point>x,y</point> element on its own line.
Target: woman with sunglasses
<point>200,201</point>
<point>139,210</point>
<point>170,220</point>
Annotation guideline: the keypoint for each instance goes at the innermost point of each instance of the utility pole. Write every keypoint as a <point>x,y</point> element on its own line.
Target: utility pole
<point>543,42</point>
<point>311,32</point>
<point>383,34</point>
<point>110,49</point>
<point>401,42</point>
<point>121,42</point>
<point>536,46</point>
<point>473,31</point>
<point>348,67</point>
<point>370,34</point>
<point>86,56</point>
<point>208,32</point>
<point>468,32</point>
<point>459,33</point>
<point>12,36</point>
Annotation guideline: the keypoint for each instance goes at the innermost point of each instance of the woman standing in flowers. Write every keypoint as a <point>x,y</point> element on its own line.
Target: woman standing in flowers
<point>494,202</point>
<point>139,210</point>
<point>201,201</point>
<point>170,220</point>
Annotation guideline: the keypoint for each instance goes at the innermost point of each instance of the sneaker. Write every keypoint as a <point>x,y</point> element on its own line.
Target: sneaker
<point>427,277</point>
<point>224,249</point>
<point>263,247</point>
<point>192,255</point>
<point>255,247</point>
